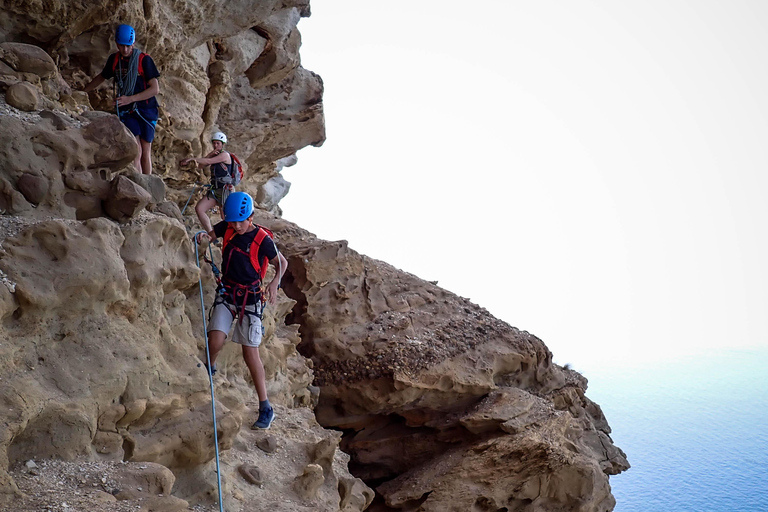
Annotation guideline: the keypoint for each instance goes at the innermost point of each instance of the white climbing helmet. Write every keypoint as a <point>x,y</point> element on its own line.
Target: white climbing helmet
<point>220,137</point>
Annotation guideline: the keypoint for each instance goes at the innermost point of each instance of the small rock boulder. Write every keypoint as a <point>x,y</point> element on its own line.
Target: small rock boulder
<point>23,96</point>
<point>309,482</point>
<point>250,473</point>
<point>267,444</point>
<point>126,199</point>
<point>27,58</point>
<point>116,146</point>
<point>272,192</point>
<point>33,188</point>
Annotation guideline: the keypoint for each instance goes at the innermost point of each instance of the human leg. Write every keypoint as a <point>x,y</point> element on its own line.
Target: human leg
<point>201,209</point>
<point>256,367</point>
<point>219,323</point>
<point>216,340</point>
<point>249,333</point>
<point>145,154</point>
<point>137,160</point>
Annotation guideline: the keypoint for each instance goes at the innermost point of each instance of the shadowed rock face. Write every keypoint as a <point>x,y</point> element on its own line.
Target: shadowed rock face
<point>442,406</point>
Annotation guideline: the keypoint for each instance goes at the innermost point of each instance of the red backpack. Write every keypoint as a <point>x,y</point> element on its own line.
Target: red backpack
<point>236,172</point>
<point>253,250</point>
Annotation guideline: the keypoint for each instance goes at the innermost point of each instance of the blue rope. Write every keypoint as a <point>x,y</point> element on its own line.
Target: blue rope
<point>197,185</point>
<point>210,374</point>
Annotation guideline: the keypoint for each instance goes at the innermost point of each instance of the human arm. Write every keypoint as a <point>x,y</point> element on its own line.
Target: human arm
<point>210,159</point>
<point>217,232</point>
<point>153,87</point>
<point>281,265</point>
<point>97,81</point>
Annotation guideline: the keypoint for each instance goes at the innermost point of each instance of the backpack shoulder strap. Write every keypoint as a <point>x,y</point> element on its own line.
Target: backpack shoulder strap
<point>260,266</point>
<point>141,64</point>
<point>228,234</point>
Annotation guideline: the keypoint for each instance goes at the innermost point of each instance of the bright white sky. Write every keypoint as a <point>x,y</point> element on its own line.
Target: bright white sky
<point>592,172</point>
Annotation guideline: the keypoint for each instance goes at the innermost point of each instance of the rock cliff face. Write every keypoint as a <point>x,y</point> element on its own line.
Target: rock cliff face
<point>381,380</point>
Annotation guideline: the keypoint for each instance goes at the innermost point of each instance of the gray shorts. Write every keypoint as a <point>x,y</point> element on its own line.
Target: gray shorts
<point>248,332</point>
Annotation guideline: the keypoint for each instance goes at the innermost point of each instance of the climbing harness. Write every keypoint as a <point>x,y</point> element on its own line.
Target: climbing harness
<point>226,191</point>
<point>210,374</point>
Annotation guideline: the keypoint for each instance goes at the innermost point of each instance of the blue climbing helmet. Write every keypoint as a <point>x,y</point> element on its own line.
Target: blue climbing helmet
<point>125,35</point>
<point>239,206</point>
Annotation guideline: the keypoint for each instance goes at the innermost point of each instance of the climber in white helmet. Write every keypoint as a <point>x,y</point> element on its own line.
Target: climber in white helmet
<point>221,178</point>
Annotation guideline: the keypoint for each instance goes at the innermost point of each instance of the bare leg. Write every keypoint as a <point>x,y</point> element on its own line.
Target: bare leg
<point>256,367</point>
<point>146,156</point>
<point>216,340</point>
<point>137,161</point>
<point>201,208</point>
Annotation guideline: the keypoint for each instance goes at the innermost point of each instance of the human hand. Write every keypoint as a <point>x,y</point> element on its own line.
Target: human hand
<point>201,237</point>
<point>124,100</point>
<point>272,291</point>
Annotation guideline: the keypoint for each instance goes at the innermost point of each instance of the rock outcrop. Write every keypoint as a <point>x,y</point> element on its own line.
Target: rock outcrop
<point>380,380</point>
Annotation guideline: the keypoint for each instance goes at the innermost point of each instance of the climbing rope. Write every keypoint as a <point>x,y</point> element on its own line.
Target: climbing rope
<point>210,373</point>
<point>194,189</point>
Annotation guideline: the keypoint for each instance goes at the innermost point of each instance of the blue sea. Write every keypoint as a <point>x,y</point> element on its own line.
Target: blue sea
<point>695,430</point>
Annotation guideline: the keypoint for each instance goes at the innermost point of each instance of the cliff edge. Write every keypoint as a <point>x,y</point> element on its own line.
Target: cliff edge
<point>391,393</point>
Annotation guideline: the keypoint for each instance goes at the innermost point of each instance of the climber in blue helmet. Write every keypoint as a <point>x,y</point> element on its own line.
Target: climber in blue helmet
<point>246,251</point>
<point>136,87</point>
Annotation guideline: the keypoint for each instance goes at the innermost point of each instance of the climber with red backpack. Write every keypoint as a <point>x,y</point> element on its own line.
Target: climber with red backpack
<point>247,249</point>
<point>226,173</point>
<point>135,77</point>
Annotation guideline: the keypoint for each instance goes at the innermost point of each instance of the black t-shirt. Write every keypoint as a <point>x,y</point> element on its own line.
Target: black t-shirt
<point>220,170</point>
<point>236,266</point>
<point>147,107</point>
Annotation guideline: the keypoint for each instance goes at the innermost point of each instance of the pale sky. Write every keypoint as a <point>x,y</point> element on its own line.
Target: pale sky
<point>592,172</point>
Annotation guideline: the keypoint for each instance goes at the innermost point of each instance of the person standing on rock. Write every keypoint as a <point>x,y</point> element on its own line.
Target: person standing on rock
<point>221,181</point>
<point>135,76</point>
<point>246,249</point>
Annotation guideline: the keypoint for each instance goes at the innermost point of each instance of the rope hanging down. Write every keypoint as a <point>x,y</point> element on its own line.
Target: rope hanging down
<point>210,375</point>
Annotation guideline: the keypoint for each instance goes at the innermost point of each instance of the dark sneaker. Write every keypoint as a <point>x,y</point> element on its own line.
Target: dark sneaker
<point>266,417</point>
<point>213,371</point>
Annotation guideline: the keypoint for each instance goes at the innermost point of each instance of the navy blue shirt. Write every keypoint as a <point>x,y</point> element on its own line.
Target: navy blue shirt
<point>236,266</point>
<point>148,107</point>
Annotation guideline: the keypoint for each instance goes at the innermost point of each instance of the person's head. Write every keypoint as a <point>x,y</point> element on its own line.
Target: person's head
<point>238,211</point>
<point>125,36</point>
<point>218,140</point>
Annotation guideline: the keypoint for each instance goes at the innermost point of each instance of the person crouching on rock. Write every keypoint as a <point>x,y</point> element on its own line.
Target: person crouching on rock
<point>135,76</point>
<point>246,249</point>
<point>221,180</point>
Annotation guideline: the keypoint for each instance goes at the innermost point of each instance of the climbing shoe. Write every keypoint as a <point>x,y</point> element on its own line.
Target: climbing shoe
<point>213,371</point>
<point>266,417</point>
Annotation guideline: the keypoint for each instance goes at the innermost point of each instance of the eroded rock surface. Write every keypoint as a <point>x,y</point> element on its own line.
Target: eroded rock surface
<point>101,327</point>
<point>444,406</point>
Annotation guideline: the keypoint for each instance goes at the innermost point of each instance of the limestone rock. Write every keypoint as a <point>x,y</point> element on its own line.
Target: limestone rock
<point>23,96</point>
<point>103,324</point>
<point>126,199</point>
<point>310,481</point>
<point>251,474</point>
<point>33,187</point>
<point>442,406</point>
<point>267,444</point>
<point>27,58</point>
<point>270,194</point>
<point>431,390</point>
